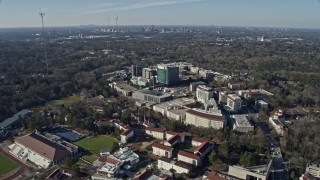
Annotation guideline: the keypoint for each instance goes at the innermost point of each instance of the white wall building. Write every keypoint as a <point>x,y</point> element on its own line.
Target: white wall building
<point>204,93</point>
<point>162,150</point>
<point>189,158</point>
<point>196,141</point>
<point>40,150</point>
<point>234,102</point>
<point>126,135</point>
<point>107,170</point>
<point>173,140</point>
<point>157,133</point>
<point>204,149</point>
<point>242,124</point>
<point>167,164</point>
<point>200,118</point>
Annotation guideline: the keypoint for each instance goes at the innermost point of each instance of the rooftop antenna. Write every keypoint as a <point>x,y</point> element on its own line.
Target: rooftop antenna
<point>117,18</point>
<point>42,14</point>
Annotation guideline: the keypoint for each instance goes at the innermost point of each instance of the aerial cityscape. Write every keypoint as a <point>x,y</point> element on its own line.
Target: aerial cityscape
<point>150,89</point>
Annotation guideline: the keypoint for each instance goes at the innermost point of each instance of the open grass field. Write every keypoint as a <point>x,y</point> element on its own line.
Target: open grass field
<point>6,165</point>
<point>65,101</point>
<point>95,144</point>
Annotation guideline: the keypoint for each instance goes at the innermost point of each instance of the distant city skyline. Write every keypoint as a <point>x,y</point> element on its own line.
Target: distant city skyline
<point>259,13</point>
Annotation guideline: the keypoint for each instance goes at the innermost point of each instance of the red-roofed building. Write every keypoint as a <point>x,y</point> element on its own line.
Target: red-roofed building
<point>173,140</point>
<point>162,150</point>
<point>170,134</point>
<point>148,175</point>
<point>202,118</point>
<point>196,141</point>
<point>158,133</point>
<point>204,149</point>
<point>126,135</point>
<point>189,158</point>
<point>180,167</point>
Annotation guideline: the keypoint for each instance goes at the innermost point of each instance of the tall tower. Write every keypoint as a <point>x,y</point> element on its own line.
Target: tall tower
<point>42,14</point>
<point>117,18</point>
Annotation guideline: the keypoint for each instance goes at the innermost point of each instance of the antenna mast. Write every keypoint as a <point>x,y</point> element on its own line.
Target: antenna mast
<point>42,14</point>
<point>117,18</point>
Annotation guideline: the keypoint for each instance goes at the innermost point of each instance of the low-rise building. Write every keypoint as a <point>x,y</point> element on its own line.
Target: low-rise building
<point>205,119</point>
<point>175,109</point>
<point>189,158</point>
<point>109,169</point>
<point>255,172</point>
<point>162,150</point>
<point>203,150</point>
<point>196,141</point>
<point>234,102</point>
<point>125,156</point>
<point>277,125</point>
<point>177,114</point>
<point>172,141</point>
<point>42,151</point>
<point>126,135</point>
<point>140,81</point>
<point>158,133</point>
<point>237,85</point>
<point>10,122</point>
<point>148,175</point>
<point>123,88</point>
<point>313,169</point>
<point>170,134</point>
<point>151,96</point>
<point>255,94</point>
<point>178,166</point>
<point>241,123</point>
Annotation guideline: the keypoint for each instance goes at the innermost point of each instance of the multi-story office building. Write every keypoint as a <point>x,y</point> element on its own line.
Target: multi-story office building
<point>234,102</point>
<point>204,93</point>
<point>148,73</point>
<point>137,69</point>
<point>201,118</point>
<point>167,74</point>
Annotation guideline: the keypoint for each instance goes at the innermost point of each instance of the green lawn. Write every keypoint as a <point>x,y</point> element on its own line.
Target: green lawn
<point>89,158</point>
<point>65,101</point>
<point>6,165</point>
<point>190,150</point>
<point>95,144</point>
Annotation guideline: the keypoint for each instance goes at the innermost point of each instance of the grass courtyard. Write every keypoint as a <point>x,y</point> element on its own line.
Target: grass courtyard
<point>65,101</point>
<point>95,144</point>
<point>6,165</point>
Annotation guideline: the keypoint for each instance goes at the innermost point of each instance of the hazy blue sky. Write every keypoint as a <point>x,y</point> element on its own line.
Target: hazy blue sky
<point>266,13</point>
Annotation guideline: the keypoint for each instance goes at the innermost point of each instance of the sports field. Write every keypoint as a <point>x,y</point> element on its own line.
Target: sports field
<point>95,144</point>
<point>6,165</point>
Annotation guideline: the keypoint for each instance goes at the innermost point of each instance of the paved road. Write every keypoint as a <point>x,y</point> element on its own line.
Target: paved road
<point>278,168</point>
